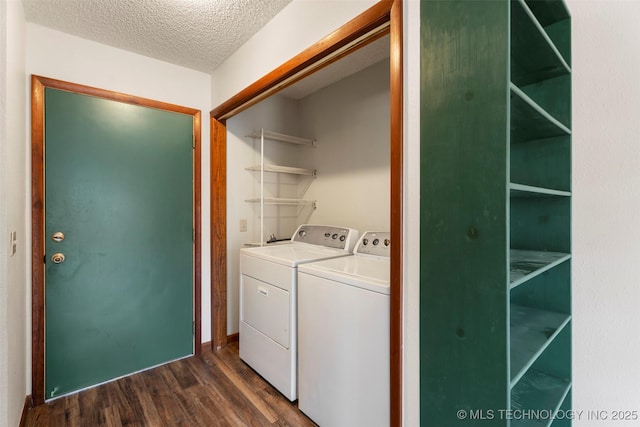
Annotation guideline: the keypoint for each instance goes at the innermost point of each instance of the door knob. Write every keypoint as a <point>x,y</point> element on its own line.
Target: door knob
<point>57,258</point>
<point>58,236</point>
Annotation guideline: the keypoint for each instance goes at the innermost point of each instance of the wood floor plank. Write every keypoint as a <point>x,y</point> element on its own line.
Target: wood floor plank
<point>72,411</point>
<point>183,374</point>
<point>230,356</point>
<point>150,413</point>
<point>237,402</point>
<point>213,389</point>
<point>112,417</point>
<point>91,403</point>
<point>215,401</point>
<point>124,397</point>
<point>246,391</point>
<point>281,405</point>
<point>210,409</point>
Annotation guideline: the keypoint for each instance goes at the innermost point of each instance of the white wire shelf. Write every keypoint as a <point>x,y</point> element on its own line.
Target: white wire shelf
<point>274,136</point>
<point>282,201</point>
<point>283,169</point>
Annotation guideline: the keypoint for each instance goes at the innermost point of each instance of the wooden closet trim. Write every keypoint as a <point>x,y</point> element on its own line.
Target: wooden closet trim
<point>38,85</point>
<point>384,17</point>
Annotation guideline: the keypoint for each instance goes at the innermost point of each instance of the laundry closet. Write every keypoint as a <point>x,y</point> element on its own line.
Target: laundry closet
<point>335,172</point>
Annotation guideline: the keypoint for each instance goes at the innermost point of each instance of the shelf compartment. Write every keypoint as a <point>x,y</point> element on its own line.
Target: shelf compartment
<point>521,190</point>
<point>547,290</point>
<point>283,169</point>
<point>548,12</point>
<point>542,163</point>
<point>540,223</point>
<point>534,55</point>
<point>280,137</point>
<point>525,265</point>
<point>553,96</point>
<point>281,201</point>
<point>555,18</point>
<point>565,407</point>
<point>538,391</point>
<point>531,330</point>
<point>529,121</point>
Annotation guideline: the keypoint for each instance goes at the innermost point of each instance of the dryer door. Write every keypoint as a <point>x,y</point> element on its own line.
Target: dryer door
<point>265,308</point>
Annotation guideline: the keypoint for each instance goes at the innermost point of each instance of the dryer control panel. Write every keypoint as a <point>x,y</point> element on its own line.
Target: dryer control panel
<point>327,235</point>
<point>376,243</point>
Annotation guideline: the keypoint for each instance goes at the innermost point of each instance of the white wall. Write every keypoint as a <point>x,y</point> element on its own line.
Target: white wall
<point>606,206</point>
<point>350,120</point>
<point>14,313</point>
<point>60,56</point>
<point>299,25</point>
<point>411,214</point>
<point>277,114</point>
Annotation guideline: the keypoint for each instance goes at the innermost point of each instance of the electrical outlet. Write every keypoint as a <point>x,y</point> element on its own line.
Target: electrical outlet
<point>13,243</point>
<point>243,225</point>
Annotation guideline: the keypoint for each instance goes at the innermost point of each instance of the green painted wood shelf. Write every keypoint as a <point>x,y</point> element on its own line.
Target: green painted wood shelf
<point>534,56</point>
<point>495,334</point>
<point>525,265</point>
<point>538,395</point>
<point>532,330</point>
<point>521,190</point>
<point>529,121</point>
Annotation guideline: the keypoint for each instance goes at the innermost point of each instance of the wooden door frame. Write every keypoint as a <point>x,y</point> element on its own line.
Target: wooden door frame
<point>382,18</point>
<point>38,85</point>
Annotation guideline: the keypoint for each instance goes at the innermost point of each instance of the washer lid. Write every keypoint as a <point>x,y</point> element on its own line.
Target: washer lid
<point>292,254</point>
<point>360,271</point>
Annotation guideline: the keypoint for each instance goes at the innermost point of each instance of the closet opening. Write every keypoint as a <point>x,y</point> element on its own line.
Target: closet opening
<point>381,22</point>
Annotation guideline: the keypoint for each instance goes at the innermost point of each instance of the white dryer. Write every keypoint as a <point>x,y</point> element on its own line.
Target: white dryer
<point>343,336</point>
<point>268,299</point>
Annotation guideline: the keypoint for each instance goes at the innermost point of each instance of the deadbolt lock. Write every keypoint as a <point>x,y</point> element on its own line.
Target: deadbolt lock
<point>58,236</point>
<point>57,258</point>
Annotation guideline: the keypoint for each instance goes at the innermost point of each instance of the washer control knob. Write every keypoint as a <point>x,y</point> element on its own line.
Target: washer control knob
<point>365,242</point>
<point>387,242</point>
<point>327,235</point>
<point>343,238</point>
<point>335,236</point>
<point>302,233</point>
<point>375,242</point>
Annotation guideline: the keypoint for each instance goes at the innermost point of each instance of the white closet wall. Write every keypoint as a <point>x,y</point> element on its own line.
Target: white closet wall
<point>278,114</point>
<point>350,120</point>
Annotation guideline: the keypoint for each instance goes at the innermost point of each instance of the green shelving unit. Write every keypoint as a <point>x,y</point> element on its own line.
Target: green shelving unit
<point>495,287</point>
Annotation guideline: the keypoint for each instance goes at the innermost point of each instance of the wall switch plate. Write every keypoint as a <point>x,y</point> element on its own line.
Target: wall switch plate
<point>243,225</point>
<point>13,243</point>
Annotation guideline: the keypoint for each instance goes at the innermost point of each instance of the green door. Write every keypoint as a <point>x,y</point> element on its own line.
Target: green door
<point>119,186</point>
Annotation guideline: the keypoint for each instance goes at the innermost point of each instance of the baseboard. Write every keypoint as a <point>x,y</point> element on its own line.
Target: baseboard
<point>28,404</point>
<point>206,346</point>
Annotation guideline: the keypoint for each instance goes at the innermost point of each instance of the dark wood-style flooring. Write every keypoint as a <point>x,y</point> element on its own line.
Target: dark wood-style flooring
<point>212,389</point>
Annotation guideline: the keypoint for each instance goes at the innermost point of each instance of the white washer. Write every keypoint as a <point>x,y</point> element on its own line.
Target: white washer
<point>343,336</point>
<point>268,299</point>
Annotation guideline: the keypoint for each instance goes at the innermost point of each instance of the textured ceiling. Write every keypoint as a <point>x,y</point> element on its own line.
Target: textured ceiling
<point>198,34</point>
